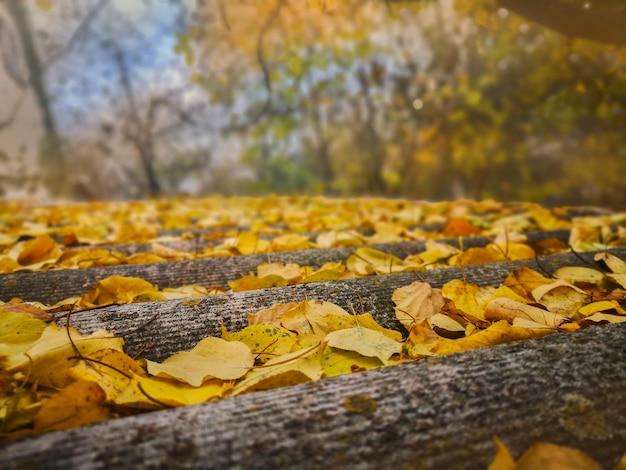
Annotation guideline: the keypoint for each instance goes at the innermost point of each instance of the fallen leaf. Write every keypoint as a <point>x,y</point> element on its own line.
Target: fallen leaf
<point>616,265</point>
<point>271,315</point>
<point>364,341</point>
<point>465,296</point>
<point>601,306</point>
<point>210,358</point>
<point>506,309</point>
<point>290,272</point>
<point>18,332</point>
<point>117,289</point>
<point>498,333</point>
<point>460,228</point>
<point>289,369</point>
<point>338,362</point>
<point>416,302</point>
<point>254,282</point>
<point>503,459</point>
<point>77,404</point>
<point>548,456</point>
<point>265,341</point>
<point>48,358</point>
<point>366,261</point>
<point>561,297</point>
<point>37,250</point>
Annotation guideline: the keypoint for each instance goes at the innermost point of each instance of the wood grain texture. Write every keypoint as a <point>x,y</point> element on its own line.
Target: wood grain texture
<point>432,414</point>
<point>170,326</point>
<point>55,285</point>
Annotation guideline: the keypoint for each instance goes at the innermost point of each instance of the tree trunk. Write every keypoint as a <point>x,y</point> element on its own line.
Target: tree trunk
<point>51,157</point>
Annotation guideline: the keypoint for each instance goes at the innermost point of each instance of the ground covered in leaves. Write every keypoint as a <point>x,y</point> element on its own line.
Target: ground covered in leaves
<point>54,377</point>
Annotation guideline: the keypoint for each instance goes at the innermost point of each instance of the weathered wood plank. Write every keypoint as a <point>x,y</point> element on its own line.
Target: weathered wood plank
<point>569,389</point>
<point>170,326</point>
<point>55,285</point>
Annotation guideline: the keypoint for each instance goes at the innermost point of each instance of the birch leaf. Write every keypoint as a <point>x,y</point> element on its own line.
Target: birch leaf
<point>364,341</point>
<point>210,358</point>
<point>416,302</point>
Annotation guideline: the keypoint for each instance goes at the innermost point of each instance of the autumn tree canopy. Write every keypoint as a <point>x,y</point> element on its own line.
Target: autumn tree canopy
<point>425,99</point>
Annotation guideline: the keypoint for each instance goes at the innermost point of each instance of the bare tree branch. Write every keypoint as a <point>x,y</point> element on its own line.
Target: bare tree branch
<point>78,34</point>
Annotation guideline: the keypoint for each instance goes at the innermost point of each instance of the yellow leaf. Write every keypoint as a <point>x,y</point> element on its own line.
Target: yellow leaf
<point>437,252</point>
<point>271,315</point>
<point>422,340</point>
<point>498,333</point>
<point>601,306</point>
<point>506,309</point>
<point>338,362</point>
<point>309,317</point>
<point>524,280</point>
<point>364,341</point>
<point>290,272</point>
<point>560,297</point>
<point>290,242</point>
<point>37,250</point>
<point>144,258</point>
<point>548,456</point>
<point>503,459</point>
<point>265,341</point>
<point>334,238</point>
<point>254,283</point>
<point>289,369</point>
<point>210,358</point>
<point>465,296</point>
<point>416,302</point>
<point>328,272</point>
<point>545,219</point>
<point>18,332</point>
<point>166,252</point>
<point>114,377</point>
<point>579,274</point>
<point>367,261</point>
<point>157,392</point>
<point>604,318</point>
<point>117,289</point>
<point>616,265</point>
<point>517,251</point>
<point>8,265</point>
<point>76,405</point>
<point>446,326</point>
<point>49,355</point>
<point>477,255</point>
<point>248,243</point>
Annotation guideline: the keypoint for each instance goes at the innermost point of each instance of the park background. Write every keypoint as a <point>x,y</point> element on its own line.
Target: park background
<point>437,100</point>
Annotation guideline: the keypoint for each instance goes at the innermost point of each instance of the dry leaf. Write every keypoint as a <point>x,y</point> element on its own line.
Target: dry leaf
<point>364,341</point>
<point>416,302</point>
<point>506,309</point>
<point>210,358</point>
<point>546,456</point>
<point>503,459</point>
<point>76,405</point>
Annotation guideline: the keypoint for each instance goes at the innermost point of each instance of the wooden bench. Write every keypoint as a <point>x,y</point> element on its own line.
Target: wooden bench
<point>442,412</point>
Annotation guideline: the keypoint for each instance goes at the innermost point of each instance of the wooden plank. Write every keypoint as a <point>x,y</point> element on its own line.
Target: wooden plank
<point>170,326</point>
<point>55,285</point>
<point>569,389</point>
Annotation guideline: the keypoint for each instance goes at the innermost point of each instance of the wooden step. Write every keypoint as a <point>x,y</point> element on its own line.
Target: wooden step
<point>567,389</point>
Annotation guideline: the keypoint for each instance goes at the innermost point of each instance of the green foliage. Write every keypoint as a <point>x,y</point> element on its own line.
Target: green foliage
<point>422,100</point>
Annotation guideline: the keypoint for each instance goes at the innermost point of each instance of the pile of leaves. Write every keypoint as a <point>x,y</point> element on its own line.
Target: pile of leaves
<point>54,377</point>
<point>65,237</point>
